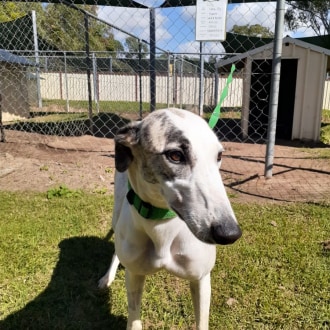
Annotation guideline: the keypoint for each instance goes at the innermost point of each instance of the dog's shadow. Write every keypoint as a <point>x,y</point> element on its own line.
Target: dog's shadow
<point>72,299</point>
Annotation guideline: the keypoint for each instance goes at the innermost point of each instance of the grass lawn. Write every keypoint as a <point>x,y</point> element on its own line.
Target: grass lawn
<point>104,106</point>
<point>53,251</point>
<point>59,114</point>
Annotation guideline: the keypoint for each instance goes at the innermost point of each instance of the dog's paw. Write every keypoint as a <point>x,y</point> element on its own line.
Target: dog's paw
<point>136,325</point>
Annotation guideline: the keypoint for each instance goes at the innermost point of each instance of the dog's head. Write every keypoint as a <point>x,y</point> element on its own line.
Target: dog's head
<point>175,157</point>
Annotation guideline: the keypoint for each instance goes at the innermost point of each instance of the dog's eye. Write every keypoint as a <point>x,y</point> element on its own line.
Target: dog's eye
<point>175,156</point>
<point>219,157</point>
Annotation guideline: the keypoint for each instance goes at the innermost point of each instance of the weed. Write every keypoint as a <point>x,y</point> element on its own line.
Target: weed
<point>44,168</point>
<point>63,191</point>
<point>232,195</point>
<point>100,190</point>
<point>108,170</point>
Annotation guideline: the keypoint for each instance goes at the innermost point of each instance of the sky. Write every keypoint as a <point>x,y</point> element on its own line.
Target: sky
<point>175,27</point>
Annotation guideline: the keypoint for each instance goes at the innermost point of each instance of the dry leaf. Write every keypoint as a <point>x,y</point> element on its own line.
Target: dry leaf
<point>231,301</point>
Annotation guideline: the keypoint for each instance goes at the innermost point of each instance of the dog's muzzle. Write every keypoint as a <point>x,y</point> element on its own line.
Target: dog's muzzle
<point>226,233</point>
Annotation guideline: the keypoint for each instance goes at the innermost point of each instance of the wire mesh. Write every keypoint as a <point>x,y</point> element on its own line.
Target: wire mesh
<point>85,69</point>
<point>73,74</point>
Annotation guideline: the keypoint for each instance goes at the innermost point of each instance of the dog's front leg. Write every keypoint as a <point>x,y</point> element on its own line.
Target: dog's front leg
<point>201,297</point>
<point>134,288</point>
<point>108,278</point>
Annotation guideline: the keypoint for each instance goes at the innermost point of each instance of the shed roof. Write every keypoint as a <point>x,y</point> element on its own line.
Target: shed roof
<point>7,57</point>
<point>239,43</point>
<point>269,46</point>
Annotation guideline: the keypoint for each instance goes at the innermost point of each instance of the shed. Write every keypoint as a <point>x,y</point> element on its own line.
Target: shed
<point>14,86</point>
<point>303,73</point>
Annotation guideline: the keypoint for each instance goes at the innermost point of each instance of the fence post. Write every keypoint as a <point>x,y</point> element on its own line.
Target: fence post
<point>140,78</point>
<point>174,81</point>
<point>216,83</point>
<point>274,88</point>
<point>110,64</point>
<point>66,84</point>
<point>36,53</point>
<point>246,99</point>
<point>2,129</point>
<point>95,82</point>
<point>181,81</point>
<point>168,79</point>
<point>201,80</point>
<point>88,71</point>
<point>195,88</point>
<point>152,60</point>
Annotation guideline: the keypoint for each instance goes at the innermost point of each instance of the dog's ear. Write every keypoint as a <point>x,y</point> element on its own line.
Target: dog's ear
<point>125,139</point>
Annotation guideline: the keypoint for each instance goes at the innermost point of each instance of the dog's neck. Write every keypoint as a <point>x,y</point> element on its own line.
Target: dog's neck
<point>148,192</point>
<point>147,210</point>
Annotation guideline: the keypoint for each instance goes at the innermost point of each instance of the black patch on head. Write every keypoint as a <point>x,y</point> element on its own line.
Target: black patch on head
<point>146,135</point>
<point>123,157</point>
<point>161,166</point>
<point>151,157</point>
<point>125,139</point>
<point>175,135</point>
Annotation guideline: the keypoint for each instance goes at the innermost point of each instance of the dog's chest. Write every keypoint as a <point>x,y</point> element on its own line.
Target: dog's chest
<point>178,252</point>
<point>151,258</point>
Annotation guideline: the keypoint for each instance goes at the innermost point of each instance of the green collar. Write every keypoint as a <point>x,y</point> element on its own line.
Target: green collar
<point>145,209</point>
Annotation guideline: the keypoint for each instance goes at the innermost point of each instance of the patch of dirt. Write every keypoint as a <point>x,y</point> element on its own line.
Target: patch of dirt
<point>34,162</point>
<point>297,175</point>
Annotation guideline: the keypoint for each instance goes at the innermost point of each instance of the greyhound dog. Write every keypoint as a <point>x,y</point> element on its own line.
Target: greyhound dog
<point>171,207</point>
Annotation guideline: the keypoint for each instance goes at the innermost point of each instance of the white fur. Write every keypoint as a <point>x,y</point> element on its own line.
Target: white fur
<point>193,189</point>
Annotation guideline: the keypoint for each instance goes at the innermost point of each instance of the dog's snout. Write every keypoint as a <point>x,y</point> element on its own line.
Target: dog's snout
<point>225,233</point>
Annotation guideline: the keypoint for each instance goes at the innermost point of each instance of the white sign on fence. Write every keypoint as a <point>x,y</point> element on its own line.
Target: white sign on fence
<point>211,20</point>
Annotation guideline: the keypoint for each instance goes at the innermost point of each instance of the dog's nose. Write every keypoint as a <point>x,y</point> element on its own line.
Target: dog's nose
<point>226,233</point>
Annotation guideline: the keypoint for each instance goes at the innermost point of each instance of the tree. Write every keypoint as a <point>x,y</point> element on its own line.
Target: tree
<point>12,10</point>
<point>255,30</point>
<point>63,26</point>
<point>101,35</point>
<point>309,14</point>
<point>132,45</point>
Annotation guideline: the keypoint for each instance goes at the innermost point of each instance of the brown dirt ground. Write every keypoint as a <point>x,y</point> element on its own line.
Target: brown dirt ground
<point>34,162</point>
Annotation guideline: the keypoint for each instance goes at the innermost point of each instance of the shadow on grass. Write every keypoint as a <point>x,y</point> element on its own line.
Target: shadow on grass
<point>72,299</point>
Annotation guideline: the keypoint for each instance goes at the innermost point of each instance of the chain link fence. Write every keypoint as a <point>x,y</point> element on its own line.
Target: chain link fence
<point>87,69</point>
<point>116,84</point>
